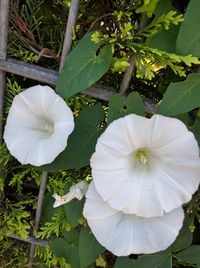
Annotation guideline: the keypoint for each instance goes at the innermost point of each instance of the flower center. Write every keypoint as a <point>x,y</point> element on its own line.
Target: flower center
<point>48,128</point>
<point>142,156</point>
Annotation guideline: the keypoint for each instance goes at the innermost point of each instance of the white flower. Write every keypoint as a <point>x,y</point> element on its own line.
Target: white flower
<point>124,234</point>
<point>38,125</point>
<point>146,166</point>
<point>76,191</point>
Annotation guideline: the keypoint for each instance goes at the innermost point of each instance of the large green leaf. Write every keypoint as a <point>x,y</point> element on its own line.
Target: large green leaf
<point>188,40</point>
<point>120,106</point>
<point>74,210</point>
<point>165,40</point>
<point>82,141</point>
<point>89,248</point>
<point>83,67</point>
<point>191,254</point>
<point>181,97</point>
<point>150,261</point>
<point>62,248</point>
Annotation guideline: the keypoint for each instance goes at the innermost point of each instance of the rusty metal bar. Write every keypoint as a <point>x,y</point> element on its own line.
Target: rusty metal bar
<point>4,11</point>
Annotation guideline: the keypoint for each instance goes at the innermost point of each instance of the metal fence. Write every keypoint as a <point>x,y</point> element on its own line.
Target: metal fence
<point>48,76</point>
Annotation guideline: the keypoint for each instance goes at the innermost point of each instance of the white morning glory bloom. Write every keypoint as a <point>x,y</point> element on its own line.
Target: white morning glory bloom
<point>144,166</point>
<point>125,234</point>
<point>38,125</point>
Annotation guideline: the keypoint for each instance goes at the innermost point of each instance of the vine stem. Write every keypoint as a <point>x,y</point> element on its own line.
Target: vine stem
<point>127,76</point>
<point>73,11</point>
<point>99,18</point>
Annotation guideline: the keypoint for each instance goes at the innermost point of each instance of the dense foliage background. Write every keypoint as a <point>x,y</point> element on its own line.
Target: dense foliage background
<point>160,40</point>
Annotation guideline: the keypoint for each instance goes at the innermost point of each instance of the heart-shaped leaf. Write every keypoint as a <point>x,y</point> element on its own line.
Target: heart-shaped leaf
<point>83,67</point>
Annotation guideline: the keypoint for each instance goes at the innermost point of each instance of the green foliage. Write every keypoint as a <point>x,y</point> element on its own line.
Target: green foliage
<point>181,97</point>
<point>54,227</point>
<point>82,141</point>
<point>89,248</point>
<point>120,106</point>
<point>63,249</point>
<point>184,239</point>
<point>12,89</point>
<point>147,31</point>
<point>188,40</point>
<point>73,211</point>
<point>190,255</point>
<point>83,67</point>
<point>45,256</point>
<point>136,38</point>
<point>15,219</point>
<point>162,22</point>
<point>153,260</point>
<point>147,6</point>
<point>13,254</point>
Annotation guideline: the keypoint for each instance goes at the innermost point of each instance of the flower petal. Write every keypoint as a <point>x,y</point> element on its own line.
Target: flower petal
<point>124,234</point>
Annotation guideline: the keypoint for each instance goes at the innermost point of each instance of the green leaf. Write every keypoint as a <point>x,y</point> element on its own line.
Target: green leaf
<point>148,7</point>
<point>83,67</point>
<point>184,238</point>
<point>72,236</point>
<point>188,40</point>
<point>124,262</point>
<point>62,248</point>
<point>120,106</point>
<point>165,40</point>
<point>151,261</point>
<point>196,130</point>
<point>82,141</point>
<point>48,210</point>
<point>74,210</point>
<point>181,97</point>
<point>191,254</point>
<point>154,261</point>
<point>163,7</point>
<point>89,248</point>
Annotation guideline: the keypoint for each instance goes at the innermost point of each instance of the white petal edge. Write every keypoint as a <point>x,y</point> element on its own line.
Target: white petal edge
<point>124,234</point>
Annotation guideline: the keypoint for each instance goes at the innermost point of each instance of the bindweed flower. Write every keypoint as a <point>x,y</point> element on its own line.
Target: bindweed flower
<point>38,125</point>
<point>146,167</point>
<point>76,191</point>
<point>125,234</point>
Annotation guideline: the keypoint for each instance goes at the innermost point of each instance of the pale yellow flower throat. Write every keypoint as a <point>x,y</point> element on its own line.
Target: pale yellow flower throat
<point>142,156</point>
